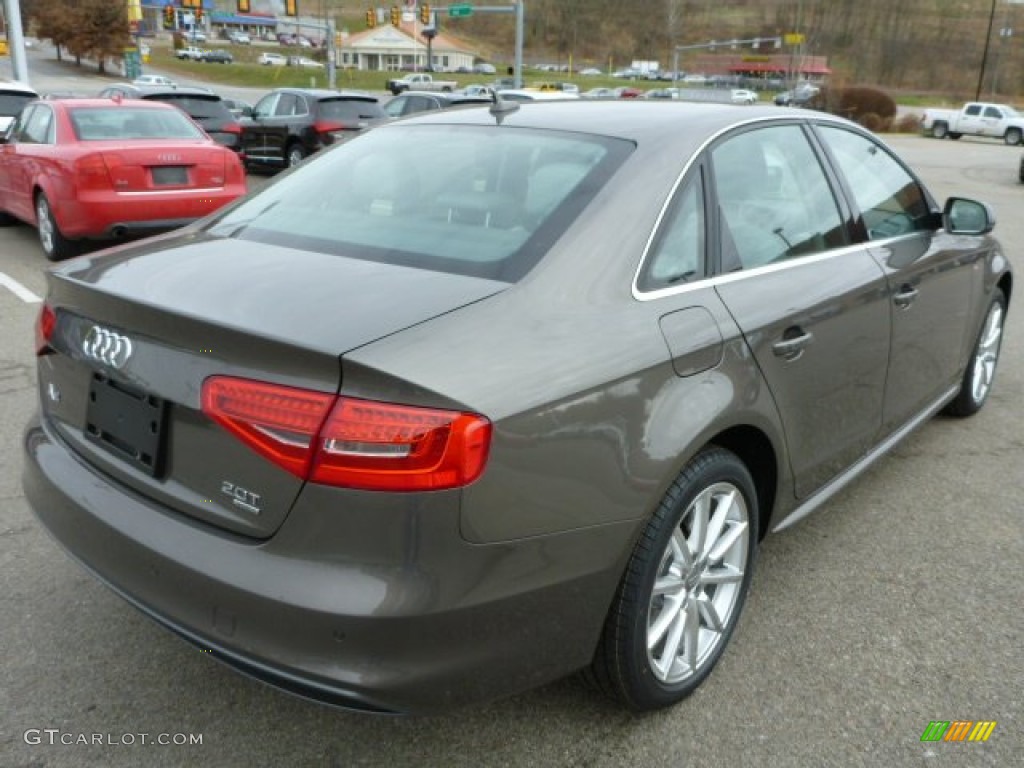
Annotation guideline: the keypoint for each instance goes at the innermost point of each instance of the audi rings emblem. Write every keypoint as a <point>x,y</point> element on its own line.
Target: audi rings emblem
<point>107,347</point>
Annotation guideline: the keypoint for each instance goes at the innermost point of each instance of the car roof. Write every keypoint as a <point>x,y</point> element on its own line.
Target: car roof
<point>658,122</point>
<point>111,103</point>
<point>155,91</point>
<point>325,93</point>
<point>13,86</point>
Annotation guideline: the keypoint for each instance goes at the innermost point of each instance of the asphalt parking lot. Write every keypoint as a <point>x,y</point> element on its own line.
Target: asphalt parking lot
<point>897,605</point>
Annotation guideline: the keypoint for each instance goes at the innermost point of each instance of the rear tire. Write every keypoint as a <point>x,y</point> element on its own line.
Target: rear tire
<point>56,247</point>
<point>981,368</point>
<point>939,130</point>
<point>684,586</point>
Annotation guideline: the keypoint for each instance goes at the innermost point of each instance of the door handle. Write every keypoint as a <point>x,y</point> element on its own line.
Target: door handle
<point>793,343</point>
<point>907,295</point>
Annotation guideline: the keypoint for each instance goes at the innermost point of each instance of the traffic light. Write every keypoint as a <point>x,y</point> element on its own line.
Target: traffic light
<point>244,6</point>
<point>291,7</point>
<point>371,18</point>
<point>396,16</point>
<point>199,14</point>
<point>424,14</point>
<point>168,15</point>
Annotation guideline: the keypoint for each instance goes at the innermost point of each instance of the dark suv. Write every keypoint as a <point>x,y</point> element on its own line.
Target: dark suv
<point>289,124</point>
<point>205,107</point>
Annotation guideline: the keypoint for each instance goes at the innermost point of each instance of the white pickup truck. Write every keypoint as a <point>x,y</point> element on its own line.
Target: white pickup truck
<point>420,82</point>
<point>975,119</point>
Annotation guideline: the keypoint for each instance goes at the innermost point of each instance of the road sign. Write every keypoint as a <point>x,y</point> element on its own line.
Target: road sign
<point>460,11</point>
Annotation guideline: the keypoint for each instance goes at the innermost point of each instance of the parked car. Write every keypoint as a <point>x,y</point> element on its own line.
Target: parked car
<point>100,169</point>
<point>239,38</point>
<point>159,80</point>
<point>289,124</point>
<point>590,71</point>
<point>13,97</point>
<point>411,102</point>
<point>217,55</point>
<point>205,107</point>
<point>483,68</point>
<point>975,119</point>
<point>379,445</point>
<point>742,96</point>
<point>535,94</point>
<point>272,59</point>
<point>197,36</point>
<point>303,61</point>
<point>799,96</point>
<point>599,93</point>
<point>628,93</point>
<point>238,108</point>
<point>191,52</point>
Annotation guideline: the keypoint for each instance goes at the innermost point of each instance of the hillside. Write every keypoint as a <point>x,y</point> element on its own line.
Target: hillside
<point>924,45</point>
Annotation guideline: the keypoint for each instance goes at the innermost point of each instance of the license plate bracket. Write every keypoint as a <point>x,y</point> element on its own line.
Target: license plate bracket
<point>167,175</point>
<point>126,422</point>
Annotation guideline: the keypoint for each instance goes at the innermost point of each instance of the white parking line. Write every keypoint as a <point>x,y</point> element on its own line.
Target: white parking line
<point>18,289</point>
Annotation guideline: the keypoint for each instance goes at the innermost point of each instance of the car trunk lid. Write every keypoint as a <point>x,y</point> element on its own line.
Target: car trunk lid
<point>124,390</point>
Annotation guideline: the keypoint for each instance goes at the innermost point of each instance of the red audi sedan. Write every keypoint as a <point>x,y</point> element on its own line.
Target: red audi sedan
<point>102,169</point>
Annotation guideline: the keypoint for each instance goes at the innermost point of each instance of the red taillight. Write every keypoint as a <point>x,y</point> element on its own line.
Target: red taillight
<point>232,128</point>
<point>387,447</point>
<point>91,172</point>
<point>350,442</point>
<point>329,126</point>
<point>280,423</point>
<point>46,321</point>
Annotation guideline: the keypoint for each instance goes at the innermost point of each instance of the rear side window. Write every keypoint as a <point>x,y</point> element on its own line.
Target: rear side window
<point>476,200</point>
<point>197,107</point>
<point>12,103</point>
<point>351,109</point>
<point>774,200</point>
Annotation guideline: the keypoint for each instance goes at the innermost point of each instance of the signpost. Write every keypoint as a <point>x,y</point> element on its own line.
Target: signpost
<point>460,11</point>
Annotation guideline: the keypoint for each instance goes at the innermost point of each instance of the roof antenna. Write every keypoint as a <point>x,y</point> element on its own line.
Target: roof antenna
<point>501,108</point>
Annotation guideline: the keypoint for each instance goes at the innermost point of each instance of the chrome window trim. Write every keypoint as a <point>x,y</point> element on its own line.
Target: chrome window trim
<point>714,280</point>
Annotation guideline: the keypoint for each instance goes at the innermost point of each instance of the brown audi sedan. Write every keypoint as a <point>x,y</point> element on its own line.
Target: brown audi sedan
<point>481,398</point>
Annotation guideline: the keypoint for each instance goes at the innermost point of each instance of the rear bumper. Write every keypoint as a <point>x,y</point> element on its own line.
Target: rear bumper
<point>97,215</point>
<point>416,621</point>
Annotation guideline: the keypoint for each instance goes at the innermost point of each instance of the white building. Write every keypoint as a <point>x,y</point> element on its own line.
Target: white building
<point>389,48</point>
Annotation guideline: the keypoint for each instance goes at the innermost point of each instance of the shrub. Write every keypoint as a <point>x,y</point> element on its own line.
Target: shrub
<point>867,106</point>
<point>907,124</point>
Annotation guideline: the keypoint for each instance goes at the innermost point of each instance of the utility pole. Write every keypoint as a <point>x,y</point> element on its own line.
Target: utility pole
<point>16,40</point>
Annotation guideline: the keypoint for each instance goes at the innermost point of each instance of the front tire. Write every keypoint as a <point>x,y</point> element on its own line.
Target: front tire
<point>684,586</point>
<point>55,246</point>
<point>981,368</point>
<point>295,155</point>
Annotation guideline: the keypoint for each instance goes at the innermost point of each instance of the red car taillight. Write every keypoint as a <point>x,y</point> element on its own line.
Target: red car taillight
<point>91,172</point>
<point>232,127</point>
<point>46,322</point>
<point>349,442</point>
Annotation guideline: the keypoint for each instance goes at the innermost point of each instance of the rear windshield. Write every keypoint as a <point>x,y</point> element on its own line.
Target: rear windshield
<point>107,123</point>
<point>198,107</point>
<point>351,109</point>
<point>476,200</point>
<point>11,103</point>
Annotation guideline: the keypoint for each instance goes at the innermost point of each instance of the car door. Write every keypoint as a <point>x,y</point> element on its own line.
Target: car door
<point>28,156</point>
<point>255,139</point>
<point>929,273</point>
<point>812,304</point>
<point>290,114</point>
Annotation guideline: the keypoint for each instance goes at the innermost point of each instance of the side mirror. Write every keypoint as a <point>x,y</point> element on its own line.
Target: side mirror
<point>247,111</point>
<point>961,216</point>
